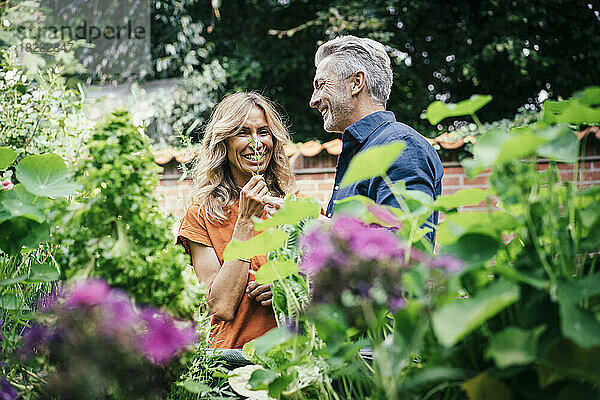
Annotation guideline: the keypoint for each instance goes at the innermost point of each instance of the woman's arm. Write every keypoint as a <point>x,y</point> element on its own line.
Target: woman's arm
<point>227,283</point>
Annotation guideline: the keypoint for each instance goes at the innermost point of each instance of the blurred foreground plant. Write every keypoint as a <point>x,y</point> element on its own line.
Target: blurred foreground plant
<point>98,344</point>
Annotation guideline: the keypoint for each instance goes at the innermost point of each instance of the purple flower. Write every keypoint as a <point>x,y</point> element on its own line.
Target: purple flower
<point>46,302</point>
<point>395,304</point>
<point>345,227</point>
<point>119,313</point>
<point>448,263</point>
<point>163,339</point>
<point>373,243</point>
<point>35,337</point>
<point>363,288</point>
<point>7,392</point>
<point>89,293</point>
<point>318,249</point>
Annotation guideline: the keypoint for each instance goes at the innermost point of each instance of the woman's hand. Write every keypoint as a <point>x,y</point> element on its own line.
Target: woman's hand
<point>272,204</point>
<point>260,293</point>
<point>251,197</point>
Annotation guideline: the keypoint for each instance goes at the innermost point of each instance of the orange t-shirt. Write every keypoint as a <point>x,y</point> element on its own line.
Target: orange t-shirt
<point>251,319</point>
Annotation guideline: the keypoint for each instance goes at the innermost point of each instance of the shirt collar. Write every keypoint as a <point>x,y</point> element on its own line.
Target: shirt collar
<point>363,128</point>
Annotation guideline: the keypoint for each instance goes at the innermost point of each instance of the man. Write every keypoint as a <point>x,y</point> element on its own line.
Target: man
<point>351,87</point>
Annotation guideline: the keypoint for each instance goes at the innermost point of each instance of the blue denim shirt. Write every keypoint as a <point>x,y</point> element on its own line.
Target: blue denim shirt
<point>419,166</point>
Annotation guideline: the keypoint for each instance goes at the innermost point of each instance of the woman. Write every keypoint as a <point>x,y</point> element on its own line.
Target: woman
<point>244,135</point>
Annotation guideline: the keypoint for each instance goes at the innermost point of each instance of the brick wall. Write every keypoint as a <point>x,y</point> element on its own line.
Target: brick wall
<point>315,175</point>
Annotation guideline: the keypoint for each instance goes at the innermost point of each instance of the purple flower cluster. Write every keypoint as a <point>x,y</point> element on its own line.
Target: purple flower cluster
<point>7,392</point>
<point>351,262</point>
<point>163,339</point>
<point>111,315</point>
<point>348,235</point>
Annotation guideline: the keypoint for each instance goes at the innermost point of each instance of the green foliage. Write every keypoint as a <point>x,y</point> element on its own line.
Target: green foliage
<point>439,51</point>
<point>274,270</point>
<point>463,197</point>
<point>514,346</point>
<point>7,156</point>
<point>38,113</point>
<point>438,111</point>
<point>116,230</point>
<point>291,212</point>
<point>581,108</point>
<point>45,175</point>
<point>520,320</point>
<point>260,244</point>
<point>372,163</point>
<point>499,146</point>
<point>454,321</point>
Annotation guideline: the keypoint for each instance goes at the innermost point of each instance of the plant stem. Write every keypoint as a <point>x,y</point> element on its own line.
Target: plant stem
<point>476,120</point>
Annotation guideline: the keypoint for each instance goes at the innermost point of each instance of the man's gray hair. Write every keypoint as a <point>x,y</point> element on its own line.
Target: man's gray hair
<point>351,54</point>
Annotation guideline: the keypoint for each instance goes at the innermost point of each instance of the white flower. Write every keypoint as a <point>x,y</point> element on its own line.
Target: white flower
<point>10,75</point>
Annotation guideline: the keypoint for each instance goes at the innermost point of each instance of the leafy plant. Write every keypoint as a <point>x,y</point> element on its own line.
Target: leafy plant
<point>509,309</point>
<point>27,266</point>
<point>116,230</point>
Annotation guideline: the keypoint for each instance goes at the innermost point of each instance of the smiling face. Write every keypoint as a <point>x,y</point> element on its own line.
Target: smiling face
<point>240,153</point>
<point>332,97</point>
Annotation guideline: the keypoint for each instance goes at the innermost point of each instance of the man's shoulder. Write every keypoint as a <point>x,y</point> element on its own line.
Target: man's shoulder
<point>394,131</point>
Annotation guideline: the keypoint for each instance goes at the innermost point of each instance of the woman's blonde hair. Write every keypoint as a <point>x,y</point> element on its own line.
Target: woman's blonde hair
<point>213,185</point>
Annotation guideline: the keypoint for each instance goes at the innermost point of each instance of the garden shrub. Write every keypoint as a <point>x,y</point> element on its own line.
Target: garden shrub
<point>116,230</point>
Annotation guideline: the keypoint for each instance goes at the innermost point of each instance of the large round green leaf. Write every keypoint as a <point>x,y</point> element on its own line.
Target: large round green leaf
<point>7,156</point>
<point>18,202</point>
<point>46,175</point>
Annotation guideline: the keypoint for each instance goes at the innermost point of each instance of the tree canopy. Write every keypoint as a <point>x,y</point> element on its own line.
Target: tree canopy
<point>440,50</point>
